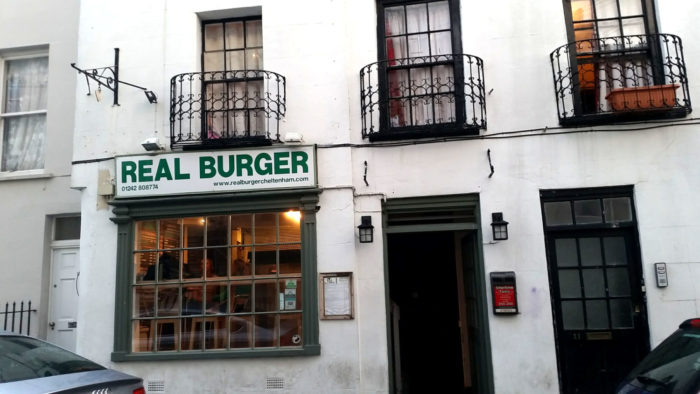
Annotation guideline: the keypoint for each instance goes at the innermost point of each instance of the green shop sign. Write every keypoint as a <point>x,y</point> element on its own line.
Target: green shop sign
<point>216,171</point>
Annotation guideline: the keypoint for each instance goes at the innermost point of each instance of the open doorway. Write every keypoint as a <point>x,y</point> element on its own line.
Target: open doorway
<point>435,331</point>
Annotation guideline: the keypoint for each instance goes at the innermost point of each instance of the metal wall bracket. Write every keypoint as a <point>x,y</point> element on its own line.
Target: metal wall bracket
<point>109,78</point>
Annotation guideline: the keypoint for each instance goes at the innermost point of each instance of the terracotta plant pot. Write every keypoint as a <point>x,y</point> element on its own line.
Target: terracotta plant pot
<point>643,97</point>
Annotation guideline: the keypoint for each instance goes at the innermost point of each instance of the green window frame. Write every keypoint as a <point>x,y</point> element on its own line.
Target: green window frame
<point>132,214</point>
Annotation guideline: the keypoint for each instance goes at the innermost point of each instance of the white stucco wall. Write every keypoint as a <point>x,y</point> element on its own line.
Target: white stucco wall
<point>29,202</point>
<point>320,46</point>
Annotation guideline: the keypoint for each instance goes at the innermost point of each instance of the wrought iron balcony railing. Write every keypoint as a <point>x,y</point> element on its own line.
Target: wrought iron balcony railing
<point>615,79</point>
<point>422,97</point>
<point>226,108</point>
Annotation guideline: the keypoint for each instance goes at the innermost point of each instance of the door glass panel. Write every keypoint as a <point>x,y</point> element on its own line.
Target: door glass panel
<point>621,313</point>
<point>618,282</point>
<point>572,315</point>
<point>587,211</point>
<point>569,284</point>
<point>590,251</point>
<point>566,252</point>
<point>593,283</point>
<point>617,209</point>
<point>615,253</point>
<point>557,213</point>
<point>597,315</point>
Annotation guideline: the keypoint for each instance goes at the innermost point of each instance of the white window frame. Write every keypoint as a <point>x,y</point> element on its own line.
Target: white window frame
<point>6,56</point>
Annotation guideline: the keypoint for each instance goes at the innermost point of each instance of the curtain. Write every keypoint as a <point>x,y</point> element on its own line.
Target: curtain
<point>24,135</point>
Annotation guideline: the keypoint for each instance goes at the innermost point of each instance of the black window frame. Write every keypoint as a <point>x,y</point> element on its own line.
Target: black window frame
<point>128,211</point>
<point>455,60</point>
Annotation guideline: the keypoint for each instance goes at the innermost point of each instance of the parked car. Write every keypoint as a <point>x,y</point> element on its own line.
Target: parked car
<point>29,365</point>
<point>673,367</point>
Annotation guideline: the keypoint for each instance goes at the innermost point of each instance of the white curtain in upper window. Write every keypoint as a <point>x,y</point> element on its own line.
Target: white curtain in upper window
<point>24,135</point>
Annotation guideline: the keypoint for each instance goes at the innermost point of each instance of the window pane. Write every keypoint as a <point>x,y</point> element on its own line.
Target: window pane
<point>422,110</point>
<point>253,34</point>
<point>144,301</point>
<point>141,336</point>
<point>557,213</point>
<point>192,334</point>
<point>217,230</point>
<point>444,107</point>
<point>581,10</point>
<point>145,236</point>
<point>593,283</point>
<point>234,35</point>
<point>398,83</point>
<point>615,252</point>
<point>609,29</point>
<point>215,333</point>
<point>621,313</point>
<point>241,331</point>
<point>217,298</point>
<point>266,296</point>
<point>26,84</point>
<point>417,18</point>
<point>398,111</point>
<point>69,228</point>
<point>394,21</point>
<point>169,266</point>
<point>235,60</point>
<point>265,330</point>
<point>290,259</point>
<point>590,251</point>
<point>631,7</point>
<point>418,45</point>
<point>618,209</point>
<point>597,315</point>
<point>193,232</point>
<point>218,258</point>
<point>421,81</point>
<point>167,334</point>
<point>440,44</point>
<point>169,234</point>
<point>439,14</point>
<point>145,266</point>
<point>213,37</point>
<point>240,297</point>
<point>443,79</point>
<point>289,229</point>
<point>396,48</point>
<point>290,294</point>
<point>618,282</point>
<point>587,211</point>
<point>214,61</point>
<point>572,315</point>
<point>192,297</point>
<point>566,252</point>
<point>606,8</point>
<point>265,224</point>
<point>240,261</point>
<point>193,264</point>
<point>633,26</point>
<point>168,300</point>
<point>253,59</point>
<point>265,260</point>
<point>23,143</point>
<point>241,230</point>
<point>569,284</point>
<point>290,329</point>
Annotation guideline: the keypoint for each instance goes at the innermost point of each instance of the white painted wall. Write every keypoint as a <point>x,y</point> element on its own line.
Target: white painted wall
<point>29,202</point>
<point>320,47</point>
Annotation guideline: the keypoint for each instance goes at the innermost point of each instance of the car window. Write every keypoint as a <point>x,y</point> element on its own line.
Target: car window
<point>674,362</point>
<point>28,358</point>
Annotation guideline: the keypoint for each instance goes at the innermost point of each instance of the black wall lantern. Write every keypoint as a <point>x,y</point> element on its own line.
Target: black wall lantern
<point>366,230</point>
<point>500,226</point>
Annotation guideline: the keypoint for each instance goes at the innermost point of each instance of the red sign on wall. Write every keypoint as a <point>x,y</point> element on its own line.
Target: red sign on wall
<point>504,294</point>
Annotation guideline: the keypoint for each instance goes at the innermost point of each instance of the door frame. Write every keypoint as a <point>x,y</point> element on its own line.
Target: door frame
<point>464,226</point>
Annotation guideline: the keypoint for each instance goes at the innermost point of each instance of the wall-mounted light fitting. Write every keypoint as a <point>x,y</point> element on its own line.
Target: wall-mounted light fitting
<point>151,96</point>
<point>500,226</point>
<point>366,230</point>
<point>152,144</point>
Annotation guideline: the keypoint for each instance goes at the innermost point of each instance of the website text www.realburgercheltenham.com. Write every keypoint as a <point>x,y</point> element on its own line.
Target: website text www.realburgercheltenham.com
<point>261,181</point>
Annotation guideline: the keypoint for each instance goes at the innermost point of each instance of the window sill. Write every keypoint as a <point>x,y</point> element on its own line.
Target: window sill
<point>21,175</point>
<point>432,131</point>
<point>624,116</point>
<point>308,350</point>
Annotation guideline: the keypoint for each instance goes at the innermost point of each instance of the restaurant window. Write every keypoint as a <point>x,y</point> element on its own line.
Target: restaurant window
<point>232,61</point>
<point>423,81</point>
<point>220,282</point>
<point>23,112</point>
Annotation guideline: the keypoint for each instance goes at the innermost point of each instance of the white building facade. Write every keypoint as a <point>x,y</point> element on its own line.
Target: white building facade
<point>41,213</point>
<point>227,256</point>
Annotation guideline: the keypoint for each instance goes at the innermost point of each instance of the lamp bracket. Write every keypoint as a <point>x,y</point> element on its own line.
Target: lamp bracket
<point>109,78</point>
